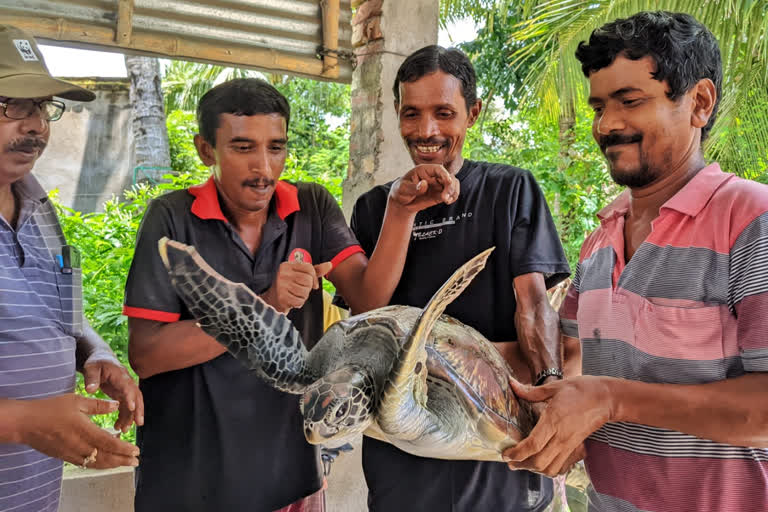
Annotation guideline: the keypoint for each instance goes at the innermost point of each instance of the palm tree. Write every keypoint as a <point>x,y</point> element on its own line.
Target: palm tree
<point>553,28</point>
<point>151,155</point>
<point>185,82</point>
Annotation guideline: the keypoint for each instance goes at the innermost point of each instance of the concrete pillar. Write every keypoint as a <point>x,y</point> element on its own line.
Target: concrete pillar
<point>384,32</point>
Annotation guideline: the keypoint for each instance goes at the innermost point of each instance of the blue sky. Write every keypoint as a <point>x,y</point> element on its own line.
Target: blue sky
<point>70,62</point>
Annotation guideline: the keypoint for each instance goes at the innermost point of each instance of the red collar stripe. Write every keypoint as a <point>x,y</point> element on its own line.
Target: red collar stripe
<point>206,204</point>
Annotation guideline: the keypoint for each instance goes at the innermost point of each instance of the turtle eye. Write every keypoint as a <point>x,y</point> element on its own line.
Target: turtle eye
<point>338,412</point>
<point>342,411</point>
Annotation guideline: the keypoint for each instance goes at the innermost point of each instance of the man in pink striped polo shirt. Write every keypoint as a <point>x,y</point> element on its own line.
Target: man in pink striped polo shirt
<point>670,297</point>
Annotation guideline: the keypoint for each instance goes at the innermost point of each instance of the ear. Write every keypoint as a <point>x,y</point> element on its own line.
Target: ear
<point>474,113</point>
<point>204,150</point>
<point>397,108</point>
<point>704,99</point>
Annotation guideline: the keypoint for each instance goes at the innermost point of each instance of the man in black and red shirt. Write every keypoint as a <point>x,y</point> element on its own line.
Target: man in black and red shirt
<point>216,437</point>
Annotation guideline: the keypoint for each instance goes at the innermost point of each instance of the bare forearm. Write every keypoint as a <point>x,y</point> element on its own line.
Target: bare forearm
<point>156,347</point>
<point>537,324</point>
<point>10,420</point>
<point>380,276</point>
<point>88,344</point>
<point>733,411</point>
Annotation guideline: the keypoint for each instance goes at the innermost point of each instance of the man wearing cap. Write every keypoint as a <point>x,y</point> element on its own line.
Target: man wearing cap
<point>44,337</point>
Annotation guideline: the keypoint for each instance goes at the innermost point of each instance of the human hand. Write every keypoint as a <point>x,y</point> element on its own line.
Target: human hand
<point>423,186</point>
<point>103,371</point>
<point>575,408</point>
<point>293,283</point>
<point>59,427</point>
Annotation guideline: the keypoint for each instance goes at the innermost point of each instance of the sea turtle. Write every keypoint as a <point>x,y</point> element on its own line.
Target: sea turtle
<point>418,379</point>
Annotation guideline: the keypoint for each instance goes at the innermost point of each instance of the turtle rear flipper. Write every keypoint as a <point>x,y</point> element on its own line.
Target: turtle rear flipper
<point>406,387</point>
<point>252,331</point>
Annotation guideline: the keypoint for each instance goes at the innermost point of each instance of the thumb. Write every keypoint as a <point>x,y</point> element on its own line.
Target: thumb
<point>92,406</point>
<point>323,268</point>
<point>92,377</point>
<point>530,393</point>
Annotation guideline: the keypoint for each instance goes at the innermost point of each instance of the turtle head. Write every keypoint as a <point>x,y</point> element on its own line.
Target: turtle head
<point>338,405</point>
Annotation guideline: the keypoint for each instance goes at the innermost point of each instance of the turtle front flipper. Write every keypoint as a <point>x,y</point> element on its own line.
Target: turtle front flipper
<point>406,387</point>
<point>264,340</point>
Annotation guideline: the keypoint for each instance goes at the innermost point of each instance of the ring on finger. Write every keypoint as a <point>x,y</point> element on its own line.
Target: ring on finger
<point>90,458</point>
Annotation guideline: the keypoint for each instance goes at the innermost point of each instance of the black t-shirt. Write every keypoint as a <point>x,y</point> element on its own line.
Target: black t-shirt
<point>216,437</point>
<point>499,206</point>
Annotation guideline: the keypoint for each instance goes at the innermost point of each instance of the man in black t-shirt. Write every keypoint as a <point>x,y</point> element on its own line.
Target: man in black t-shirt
<point>498,205</point>
<point>217,438</point>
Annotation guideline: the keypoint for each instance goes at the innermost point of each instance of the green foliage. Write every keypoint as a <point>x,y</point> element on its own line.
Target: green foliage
<point>575,183</point>
<point>182,127</point>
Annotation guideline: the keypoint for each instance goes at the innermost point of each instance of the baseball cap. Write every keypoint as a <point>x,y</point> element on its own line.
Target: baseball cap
<point>23,73</point>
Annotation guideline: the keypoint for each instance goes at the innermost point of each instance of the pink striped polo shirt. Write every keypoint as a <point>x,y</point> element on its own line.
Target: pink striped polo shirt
<point>690,307</point>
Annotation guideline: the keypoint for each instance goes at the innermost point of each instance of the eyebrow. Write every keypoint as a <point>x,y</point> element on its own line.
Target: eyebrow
<point>615,94</point>
<point>235,140</point>
<point>448,106</point>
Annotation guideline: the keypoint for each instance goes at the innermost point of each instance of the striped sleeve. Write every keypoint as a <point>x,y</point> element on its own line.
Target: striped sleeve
<point>748,293</point>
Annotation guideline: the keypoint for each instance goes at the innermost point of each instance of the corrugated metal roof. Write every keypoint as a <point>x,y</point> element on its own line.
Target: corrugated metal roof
<point>271,35</point>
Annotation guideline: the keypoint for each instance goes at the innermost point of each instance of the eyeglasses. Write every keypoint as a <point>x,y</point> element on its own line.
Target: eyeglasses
<point>17,109</point>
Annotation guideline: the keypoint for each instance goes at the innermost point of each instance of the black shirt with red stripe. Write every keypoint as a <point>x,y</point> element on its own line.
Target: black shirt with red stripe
<point>216,437</point>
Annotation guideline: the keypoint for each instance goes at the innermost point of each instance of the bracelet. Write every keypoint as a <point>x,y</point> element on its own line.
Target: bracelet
<point>549,372</point>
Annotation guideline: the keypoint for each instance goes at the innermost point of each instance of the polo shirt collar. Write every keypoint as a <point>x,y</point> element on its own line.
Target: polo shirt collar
<point>689,200</point>
<point>206,204</point>
<point>29,189</point>
<point>695,195</point>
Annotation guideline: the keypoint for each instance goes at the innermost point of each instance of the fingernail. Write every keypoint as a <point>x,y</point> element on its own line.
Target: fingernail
<point>131,406</point>
<point>134,463</point>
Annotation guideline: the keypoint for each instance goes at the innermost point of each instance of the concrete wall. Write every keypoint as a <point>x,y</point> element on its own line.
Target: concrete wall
<point>89,490</point>
<point>89,153</point>
<point>384,33</point>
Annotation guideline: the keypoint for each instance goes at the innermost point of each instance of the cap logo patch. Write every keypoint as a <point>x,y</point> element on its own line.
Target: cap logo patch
<point>25,50</point>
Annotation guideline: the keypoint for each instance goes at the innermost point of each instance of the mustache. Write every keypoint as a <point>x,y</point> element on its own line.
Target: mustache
<point>29,143</point>
<point>616,138</point>
<point>259,182</point>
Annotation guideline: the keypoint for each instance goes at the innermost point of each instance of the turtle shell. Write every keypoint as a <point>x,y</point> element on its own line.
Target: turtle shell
<point>467,362</point>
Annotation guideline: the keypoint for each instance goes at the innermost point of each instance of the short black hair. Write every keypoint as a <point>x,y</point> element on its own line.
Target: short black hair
<point>242,97</point>
<point>436,58</point>
<point>685,51</point>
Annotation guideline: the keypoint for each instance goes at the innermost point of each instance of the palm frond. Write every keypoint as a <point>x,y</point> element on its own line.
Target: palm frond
<point>555,80</point>
<point>185,82</point>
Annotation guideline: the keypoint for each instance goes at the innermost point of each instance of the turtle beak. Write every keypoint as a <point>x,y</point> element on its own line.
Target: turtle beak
<point>318,433</point>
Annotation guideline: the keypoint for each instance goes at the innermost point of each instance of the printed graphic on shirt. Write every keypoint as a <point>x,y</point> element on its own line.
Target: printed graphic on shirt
<point>25,50</point>
<point>433,228</point>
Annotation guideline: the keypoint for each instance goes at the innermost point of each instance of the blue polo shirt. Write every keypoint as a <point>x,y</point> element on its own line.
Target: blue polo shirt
<point>40,317</point>
<point>216,437</point>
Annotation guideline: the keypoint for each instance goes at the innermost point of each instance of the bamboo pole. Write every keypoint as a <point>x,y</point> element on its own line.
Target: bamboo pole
<point>331,10</point>
<point>124,22</point>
